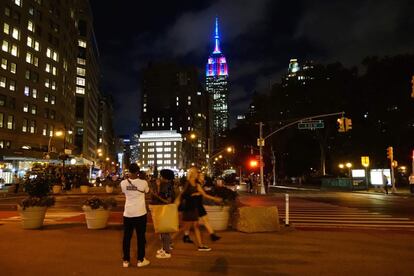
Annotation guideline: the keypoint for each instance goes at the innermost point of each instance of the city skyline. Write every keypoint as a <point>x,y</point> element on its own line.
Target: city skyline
<point>260,38</point>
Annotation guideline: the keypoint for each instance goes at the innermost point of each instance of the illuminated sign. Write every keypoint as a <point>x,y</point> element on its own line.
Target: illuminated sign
<point>358,173</point>
<point>376,176</point>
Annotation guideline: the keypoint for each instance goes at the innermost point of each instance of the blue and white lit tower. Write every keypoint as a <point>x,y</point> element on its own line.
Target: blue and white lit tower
<point>218,87</point>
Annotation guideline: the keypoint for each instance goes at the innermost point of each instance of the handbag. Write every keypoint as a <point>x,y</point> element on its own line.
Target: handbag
<point>165,218</point>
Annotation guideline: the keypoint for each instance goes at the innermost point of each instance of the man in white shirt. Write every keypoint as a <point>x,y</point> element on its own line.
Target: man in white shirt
<point>135,215</point>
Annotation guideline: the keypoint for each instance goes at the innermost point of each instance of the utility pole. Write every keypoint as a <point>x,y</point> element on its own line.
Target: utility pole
<point>274,166</point>
<point>261,144</point>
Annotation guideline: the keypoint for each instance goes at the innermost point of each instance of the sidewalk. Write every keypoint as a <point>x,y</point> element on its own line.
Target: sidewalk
<point>72,249</point>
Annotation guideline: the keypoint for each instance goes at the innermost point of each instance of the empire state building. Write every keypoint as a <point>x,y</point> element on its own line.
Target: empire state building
<point>218,88</point>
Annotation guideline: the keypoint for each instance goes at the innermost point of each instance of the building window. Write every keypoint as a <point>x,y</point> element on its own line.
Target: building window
<point>82,43</point>
<point>33,109</point>
<point>16,34</point>
<point>44,131</point>
<point>25,125</point>
<point>80,71</point>
<point>25,107</point>
<point>30,26</point>
<point>3,82</point>
<point>18,2</point>
<point>80,90</point>
<point>12,85</point>
<point>32,126</point>
<point>52,100</point>
<point>1,120</point>
<point>5,46</point>
<point>80,81</point>
<point>12,67</point>
<point>4,63</point>
<point>6,28</point>
<point>46,97</point>
<point>81,61</point>
<point>10,122</point>
<point>14,50</point>
<point>34,93</point>
<point>26,91</point>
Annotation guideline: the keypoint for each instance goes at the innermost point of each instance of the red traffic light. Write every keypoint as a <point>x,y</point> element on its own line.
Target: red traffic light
<point>253,163</point>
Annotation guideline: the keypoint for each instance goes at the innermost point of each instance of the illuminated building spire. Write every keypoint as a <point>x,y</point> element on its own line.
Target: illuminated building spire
<point>217,39</point>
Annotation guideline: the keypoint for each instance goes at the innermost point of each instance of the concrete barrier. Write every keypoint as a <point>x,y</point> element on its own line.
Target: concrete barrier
<point>257,219</point>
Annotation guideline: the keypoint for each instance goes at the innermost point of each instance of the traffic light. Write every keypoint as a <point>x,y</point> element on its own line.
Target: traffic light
<point>253,163</point>
<point>348,124</point>
<point>390,153</point>
<point>412,87</point>
<point>341,124</point>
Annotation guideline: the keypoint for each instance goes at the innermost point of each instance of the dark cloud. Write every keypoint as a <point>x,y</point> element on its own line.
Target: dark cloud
<point>258,38</point>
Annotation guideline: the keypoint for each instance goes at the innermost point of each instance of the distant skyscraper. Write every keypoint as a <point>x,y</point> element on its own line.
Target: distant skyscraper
<point>217,86</point>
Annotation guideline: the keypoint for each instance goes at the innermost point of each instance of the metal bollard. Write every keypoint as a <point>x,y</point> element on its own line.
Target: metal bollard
<point>286,209</point>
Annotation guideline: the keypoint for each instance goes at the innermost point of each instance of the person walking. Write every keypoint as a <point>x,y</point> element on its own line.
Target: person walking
<point>411,181</point>
<point>164,194</point>
<point>202,213</point>
<point>190,210</point>
<point>16,182</point>
<point>135,215</point>
<point>385,182</point>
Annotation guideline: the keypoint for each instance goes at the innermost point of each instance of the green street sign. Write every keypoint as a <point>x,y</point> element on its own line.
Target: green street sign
<point>311,125</point>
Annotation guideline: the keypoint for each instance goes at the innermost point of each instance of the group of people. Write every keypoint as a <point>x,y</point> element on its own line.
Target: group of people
<point>189,202</point>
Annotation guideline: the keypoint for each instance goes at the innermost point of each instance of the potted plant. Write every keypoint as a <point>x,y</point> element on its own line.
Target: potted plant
<point>97,211</point>
<point>33,208</point>
<point>56,184</point>
<point>84,184</point>
<point>219,214</point>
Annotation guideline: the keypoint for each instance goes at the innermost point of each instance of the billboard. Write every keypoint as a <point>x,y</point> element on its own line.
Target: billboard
<point>376,176</point>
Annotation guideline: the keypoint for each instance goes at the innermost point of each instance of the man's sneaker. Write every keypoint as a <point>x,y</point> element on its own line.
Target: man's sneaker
<point>159,251</point>
<point>163,255</point>
<point>214,237</point>
<point>187,239</point>
<point>125,264</point>
<point>204,248</point>
<point>143,263</point>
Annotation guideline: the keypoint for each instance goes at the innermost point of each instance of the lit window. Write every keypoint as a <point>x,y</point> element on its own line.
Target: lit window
<point>13,68</point>
<point>29,41</point>
<point>16,34</point>
<point>46,98</point>
<point>44,132</point>
<point>55,56</point>
<point>52,100</point>
<point>25,107</point>
<point>6,28</point>
<point>26,91</point>
<point>54,71</point>
<point>4,63</point>
<point>48,52</point>
<point>34,93</point>
<point>53,86</point>
<point>47,69</point>
<point>12,85</point>
<point>32,126</point>
<point>10,122</point>
<point>80,71</point>
<point>81,61</point>
<point>5,46</point>
<point>189,98</point>
<point>36,46</point>
<point>30,26</point>
<point>82,43</point>
<point>80,90</point>
<point>18,2</point>
<point>80,81</point>
<point>29,57</point>
<point>145,110</point>
<point>24,125</point>
<point>33,109</point>
<point>47,83</point>
<point>3,82</point>
<point>14,50</point>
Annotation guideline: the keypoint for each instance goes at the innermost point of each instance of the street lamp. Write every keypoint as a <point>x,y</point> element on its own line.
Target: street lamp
<point>349,166</point>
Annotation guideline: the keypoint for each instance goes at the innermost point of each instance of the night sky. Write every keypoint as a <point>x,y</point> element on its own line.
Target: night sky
<point>258,38</point>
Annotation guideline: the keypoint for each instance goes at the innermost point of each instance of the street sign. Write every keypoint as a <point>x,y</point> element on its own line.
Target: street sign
<point>260,142</point>
<point>365,161</point>
<point>311,124</point>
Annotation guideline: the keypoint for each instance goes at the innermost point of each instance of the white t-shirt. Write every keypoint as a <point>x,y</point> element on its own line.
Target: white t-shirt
<point>135,197</point>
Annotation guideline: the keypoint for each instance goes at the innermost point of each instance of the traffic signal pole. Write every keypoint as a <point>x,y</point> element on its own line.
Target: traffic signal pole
<point>262,139</point>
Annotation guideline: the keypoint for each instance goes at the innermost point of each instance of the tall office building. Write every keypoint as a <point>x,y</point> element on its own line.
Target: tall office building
<point>48,80</point>
<point>217,85</point>
<point>173,100</point>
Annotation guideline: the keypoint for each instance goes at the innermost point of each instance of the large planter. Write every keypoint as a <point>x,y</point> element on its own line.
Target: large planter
<point>96,218</point>
<point>218,216</point>
<point>56,189</point>
<point>84,189</point>
<point>109,189</point>
<point>32,217</point>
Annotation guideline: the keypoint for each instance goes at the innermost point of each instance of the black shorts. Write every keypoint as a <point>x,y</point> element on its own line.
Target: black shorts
<point>190,215</point>
<point>201,210</point>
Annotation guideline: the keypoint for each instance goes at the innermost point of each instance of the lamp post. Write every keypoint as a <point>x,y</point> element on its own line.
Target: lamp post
<point>349,166</point>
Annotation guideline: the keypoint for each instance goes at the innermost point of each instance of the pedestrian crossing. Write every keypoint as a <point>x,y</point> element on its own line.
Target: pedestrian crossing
<point>332,216</point>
